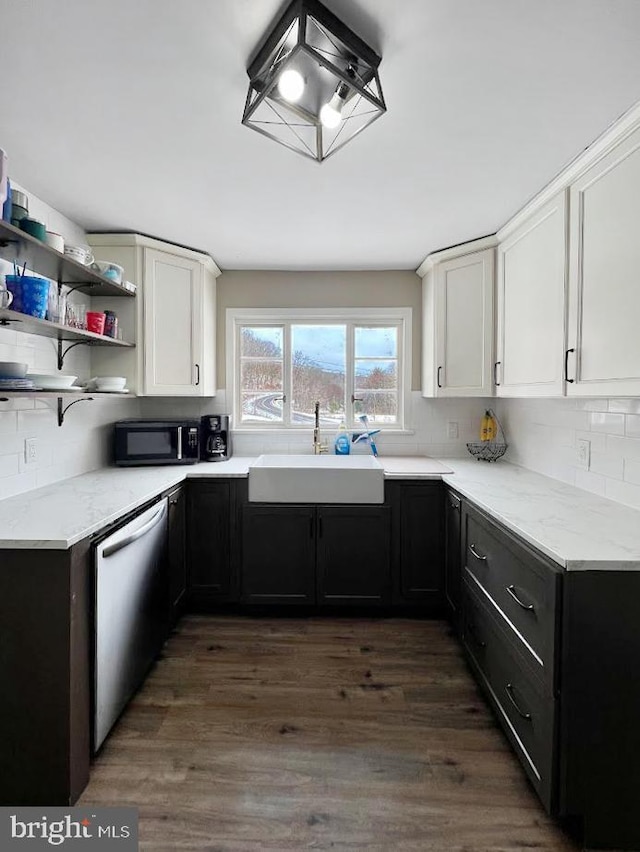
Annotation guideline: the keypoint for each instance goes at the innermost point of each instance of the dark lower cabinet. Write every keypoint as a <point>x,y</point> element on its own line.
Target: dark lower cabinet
<point>177,555</point>
<point>555,652</point>
<point>307,555</point>
<point>45,672</point>
<point>212,541</point>
<point>353,555</point>
<point>453,556</point>
<point>418,543</point>
<point>278,555</point>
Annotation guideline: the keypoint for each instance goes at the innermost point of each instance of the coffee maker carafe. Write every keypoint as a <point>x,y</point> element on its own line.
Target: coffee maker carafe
<point>215,438</point>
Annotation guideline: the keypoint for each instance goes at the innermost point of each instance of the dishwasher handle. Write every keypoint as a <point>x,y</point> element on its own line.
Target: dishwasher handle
<point>155,520</point>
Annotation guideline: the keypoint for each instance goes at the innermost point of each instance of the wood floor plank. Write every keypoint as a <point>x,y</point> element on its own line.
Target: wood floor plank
<point>321,733</point>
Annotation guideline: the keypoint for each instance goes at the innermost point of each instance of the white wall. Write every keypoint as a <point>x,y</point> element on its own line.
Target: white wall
<point>542,436</point>
<point>83,442</point>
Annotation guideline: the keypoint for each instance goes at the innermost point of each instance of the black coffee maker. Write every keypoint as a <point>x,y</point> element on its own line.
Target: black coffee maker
<point>215,437</point>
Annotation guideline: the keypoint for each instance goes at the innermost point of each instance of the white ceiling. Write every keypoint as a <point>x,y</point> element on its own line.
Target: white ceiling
<point>126,115</point>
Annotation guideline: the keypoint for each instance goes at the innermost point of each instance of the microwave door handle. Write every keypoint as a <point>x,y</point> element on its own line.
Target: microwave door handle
<point>179,455</point>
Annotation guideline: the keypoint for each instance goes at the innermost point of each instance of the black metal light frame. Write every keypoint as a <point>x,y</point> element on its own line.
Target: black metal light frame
<point>346,59</point>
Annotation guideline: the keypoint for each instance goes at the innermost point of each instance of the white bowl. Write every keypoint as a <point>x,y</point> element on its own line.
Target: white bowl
<point>110,383</point>
<point>52,381</point>
<point>13,370</point>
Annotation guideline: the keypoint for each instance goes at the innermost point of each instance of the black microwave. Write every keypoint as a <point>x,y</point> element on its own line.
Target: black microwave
<point>141,442</point>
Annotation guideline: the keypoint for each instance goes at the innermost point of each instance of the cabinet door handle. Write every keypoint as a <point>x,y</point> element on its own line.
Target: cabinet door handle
<point>454,503</point>
<point>439,374</point>
<point>509,690</point>
<point>197,366</point>
<point>472,548</point>
<point>512,592</point>
<point>566,366</point>
<point>495,373</point>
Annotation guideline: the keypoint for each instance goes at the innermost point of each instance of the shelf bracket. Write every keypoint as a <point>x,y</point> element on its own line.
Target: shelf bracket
<point>63,354</point>
<point>73,286</point>
<point>63,410</point>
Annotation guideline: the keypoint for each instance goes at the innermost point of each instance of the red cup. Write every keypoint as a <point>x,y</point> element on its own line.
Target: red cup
<point>95,321</point>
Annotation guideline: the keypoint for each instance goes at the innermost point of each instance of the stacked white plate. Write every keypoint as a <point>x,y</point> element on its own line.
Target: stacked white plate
<point>8,384</point>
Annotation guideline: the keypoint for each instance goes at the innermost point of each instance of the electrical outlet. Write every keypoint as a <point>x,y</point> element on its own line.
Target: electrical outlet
<point>452,429</point>
<point>30,450</point>
<point>583,459</point>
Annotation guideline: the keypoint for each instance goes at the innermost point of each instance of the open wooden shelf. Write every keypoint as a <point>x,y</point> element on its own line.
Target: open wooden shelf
<point>67,394</point>
<point>44,328</point>
<point>54,265</point>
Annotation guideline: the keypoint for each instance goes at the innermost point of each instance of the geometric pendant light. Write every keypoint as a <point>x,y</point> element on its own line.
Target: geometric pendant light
<point>313,83</point>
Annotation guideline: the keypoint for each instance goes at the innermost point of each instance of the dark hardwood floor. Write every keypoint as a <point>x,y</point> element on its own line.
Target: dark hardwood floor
<point>322,733</point>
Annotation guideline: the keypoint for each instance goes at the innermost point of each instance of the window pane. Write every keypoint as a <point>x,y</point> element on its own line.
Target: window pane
<point>258,374</point>
<point>318,372</point>
<point>261,341</point>
<point>376,375</point>
<point>376,342</point>
<point>380,406</point>
<point>262,407</point>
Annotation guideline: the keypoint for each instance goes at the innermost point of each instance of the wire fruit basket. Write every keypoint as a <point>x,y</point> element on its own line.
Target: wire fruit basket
<point>489,450</point>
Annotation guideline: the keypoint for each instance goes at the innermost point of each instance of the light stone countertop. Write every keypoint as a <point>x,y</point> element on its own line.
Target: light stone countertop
<point>576,529</point>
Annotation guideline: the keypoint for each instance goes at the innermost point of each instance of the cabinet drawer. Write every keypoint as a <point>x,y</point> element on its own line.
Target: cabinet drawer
<point>517,582</point>
<point>524,708</point>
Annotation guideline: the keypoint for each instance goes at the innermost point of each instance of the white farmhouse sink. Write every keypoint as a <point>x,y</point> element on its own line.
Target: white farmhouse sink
<point>316,479</point>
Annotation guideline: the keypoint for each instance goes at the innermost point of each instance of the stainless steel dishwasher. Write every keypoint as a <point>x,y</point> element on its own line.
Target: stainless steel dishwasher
<point>130,611</point>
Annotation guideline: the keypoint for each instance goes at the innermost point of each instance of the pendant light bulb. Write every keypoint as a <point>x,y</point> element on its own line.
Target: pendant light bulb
<point>331,112</point>
<point>291,85</point>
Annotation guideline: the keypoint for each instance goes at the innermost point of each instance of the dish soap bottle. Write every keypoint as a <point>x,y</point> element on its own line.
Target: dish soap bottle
<point>342,444</point>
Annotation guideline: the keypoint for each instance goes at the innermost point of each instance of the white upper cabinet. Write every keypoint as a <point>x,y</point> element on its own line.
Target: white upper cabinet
<point>457,332</point>
<point>179,312</point>
<point>603,351</point>
<point>531,296</point>
<point>173,320</point>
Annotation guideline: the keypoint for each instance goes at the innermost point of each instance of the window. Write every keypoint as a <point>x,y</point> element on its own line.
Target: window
<point>280,362</point>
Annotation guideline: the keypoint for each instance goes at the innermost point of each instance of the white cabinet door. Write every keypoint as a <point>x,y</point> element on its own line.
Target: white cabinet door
<point>603,356</point>
<point>173,296</point>
<point>531,288</point>
<point>463,325</point>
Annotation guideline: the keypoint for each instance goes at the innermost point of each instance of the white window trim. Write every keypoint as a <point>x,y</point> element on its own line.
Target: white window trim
<point>235,317</point>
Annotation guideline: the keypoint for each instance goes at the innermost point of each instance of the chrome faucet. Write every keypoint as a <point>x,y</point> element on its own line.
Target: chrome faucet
<point>318,446</point>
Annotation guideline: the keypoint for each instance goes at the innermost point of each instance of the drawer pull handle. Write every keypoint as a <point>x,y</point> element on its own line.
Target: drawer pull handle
<point>472,548</point>
<point>512,592</point>
<point>509,690</point>
<point>471,629</point>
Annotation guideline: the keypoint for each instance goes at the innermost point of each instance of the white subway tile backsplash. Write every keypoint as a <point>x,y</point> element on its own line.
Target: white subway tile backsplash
<point>542,436</point>
<point>9,465</point>
<point>610,424</point>
<point>626,448</point>
<point>632,471</point>
<point>625,406</point>
<point>592,404</point>
<point>8,421</point>
<point>606,465</point>
<point>590,481</point>
<point>632,427</point>
<point>623,492</point>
